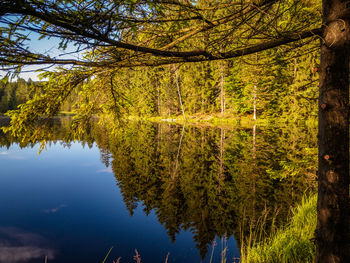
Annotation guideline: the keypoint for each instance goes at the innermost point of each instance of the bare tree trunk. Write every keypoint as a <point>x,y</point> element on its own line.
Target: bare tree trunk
<point>221,157</point>
<point>203,102</point>
<point>254,114</point>
<point>254,160</point>
<point>178,152</point>
<point>332,232</point>
<point>222,91</point>
<point>254,142</point>
<point>158,98</point>
<point>179,93</point>
<point>295,68</point>
<point>255,86</point>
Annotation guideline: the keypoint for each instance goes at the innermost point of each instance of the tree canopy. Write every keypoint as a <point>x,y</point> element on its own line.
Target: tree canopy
<point>112,35</point>
<point>133,33</point>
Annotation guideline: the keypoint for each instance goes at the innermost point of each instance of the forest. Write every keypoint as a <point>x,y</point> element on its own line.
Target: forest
<point>279,82</point>
<point>210,181</point>
<point>264,86</point>
<point>12,94</point>
<point>280,60</point>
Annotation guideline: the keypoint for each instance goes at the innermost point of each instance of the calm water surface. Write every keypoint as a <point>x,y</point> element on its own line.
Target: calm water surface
<point>158,188</point>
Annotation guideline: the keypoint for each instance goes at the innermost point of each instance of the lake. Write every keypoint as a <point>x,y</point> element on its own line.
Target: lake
<point>189,193</point>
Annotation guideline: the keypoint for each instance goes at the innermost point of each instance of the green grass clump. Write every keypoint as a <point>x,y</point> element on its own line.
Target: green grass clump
<point>293,243</point>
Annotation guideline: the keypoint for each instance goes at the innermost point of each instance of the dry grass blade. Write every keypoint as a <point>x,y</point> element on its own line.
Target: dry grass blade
<point>137,257</point>
<point>107,255</point>
<point>167,256</point>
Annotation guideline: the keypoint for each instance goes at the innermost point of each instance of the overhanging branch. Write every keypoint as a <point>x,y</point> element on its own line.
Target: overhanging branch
<point>196,56</point>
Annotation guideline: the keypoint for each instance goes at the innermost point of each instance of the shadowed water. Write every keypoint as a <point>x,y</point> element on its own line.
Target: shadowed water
<point>193,192</point>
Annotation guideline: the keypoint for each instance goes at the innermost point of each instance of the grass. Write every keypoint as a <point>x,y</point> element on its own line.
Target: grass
<point>206,120</point>
<point>216,119</point>
<point>66,113</point>
<point>293,243</point>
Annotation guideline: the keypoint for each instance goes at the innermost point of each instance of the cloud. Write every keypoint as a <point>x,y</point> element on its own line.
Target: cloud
<point>105,170</point>
<point>14,254</point>
<point>17,246</point>
<point>55,209</point>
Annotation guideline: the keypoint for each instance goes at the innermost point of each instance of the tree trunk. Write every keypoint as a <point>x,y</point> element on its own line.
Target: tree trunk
<point>221,159</point>
<point>332,232</point>
<point>222,91</point>
<point>254,102</point>
<point>255,86</point>
<point>179,93</point>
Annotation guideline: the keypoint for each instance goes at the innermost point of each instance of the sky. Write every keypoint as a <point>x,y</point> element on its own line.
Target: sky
<point>46,46</point>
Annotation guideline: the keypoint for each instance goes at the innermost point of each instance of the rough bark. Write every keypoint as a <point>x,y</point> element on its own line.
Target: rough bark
<point>332,233</point>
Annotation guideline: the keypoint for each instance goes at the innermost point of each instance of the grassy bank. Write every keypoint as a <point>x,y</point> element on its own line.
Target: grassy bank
<point>291,244</point>
<point>223,121</point>
<point>226,120</point>
<point>214,119</point>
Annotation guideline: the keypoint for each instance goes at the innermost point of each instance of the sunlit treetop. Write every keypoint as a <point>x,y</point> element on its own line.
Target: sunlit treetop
<point>129,33</point>
<point>114,35</point>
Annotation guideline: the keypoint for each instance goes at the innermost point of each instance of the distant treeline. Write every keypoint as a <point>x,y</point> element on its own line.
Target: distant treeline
<point>263,85</point>
<point>14,93</point>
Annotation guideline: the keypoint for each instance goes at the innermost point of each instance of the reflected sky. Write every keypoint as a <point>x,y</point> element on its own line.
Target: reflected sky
<point>66,205</point>
<point>157,188</point>
<point>17,245</point>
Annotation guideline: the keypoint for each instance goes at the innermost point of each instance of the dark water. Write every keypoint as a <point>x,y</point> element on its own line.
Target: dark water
<point>192,192</point>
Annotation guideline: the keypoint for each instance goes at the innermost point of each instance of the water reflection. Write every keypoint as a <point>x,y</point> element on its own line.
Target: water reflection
<point>55,209</point>
<point>214,182</point>
<point>17,245</point>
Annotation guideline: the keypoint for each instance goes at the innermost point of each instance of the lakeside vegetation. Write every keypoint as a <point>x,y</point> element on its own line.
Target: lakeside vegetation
<point>215,181</point>
<point>291,243</point>
<point>270,247</point>
<point>266,90</point>
<point>238,112</point>
<point>275,87</point>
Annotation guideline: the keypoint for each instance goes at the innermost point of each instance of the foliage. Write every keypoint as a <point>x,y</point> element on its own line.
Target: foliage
<point>112,36</point>
<point>210,181</point>
<point>202,179</point>
<point>292,243</point>
<point>14,93</point>
<point>283,90</point>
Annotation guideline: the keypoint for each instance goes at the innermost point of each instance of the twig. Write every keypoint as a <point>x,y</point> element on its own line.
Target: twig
<point>107,255</point>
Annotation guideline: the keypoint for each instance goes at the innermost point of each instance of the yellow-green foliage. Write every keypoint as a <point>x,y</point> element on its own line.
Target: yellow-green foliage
<point>292,243</point>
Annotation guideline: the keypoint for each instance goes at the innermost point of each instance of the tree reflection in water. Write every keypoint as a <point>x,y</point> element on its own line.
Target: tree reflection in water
<point>211,181</point>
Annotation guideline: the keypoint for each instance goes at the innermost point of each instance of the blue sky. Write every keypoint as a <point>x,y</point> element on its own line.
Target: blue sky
<point>46,46</point>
